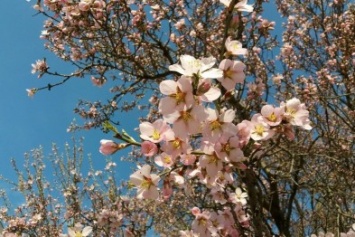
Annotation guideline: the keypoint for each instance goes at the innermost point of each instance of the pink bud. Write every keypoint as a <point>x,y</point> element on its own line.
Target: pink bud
<point>149,148</point>
<point>109,147</point>
<point>203,88</point>
<point>84,6</point>
<point>195,211</point>
<point>167,190</point>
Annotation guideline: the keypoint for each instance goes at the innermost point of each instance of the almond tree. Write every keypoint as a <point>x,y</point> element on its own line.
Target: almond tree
<point>249,130</point>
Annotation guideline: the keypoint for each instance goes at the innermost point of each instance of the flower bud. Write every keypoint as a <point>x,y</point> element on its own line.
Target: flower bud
<point>109,147</point>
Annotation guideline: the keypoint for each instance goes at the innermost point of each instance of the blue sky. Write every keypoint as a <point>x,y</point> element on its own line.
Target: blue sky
<point>27,123</point>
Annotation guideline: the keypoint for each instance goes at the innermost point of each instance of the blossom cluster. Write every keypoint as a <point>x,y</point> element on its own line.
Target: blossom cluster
<point>213,136</point>
<point>196,140</point>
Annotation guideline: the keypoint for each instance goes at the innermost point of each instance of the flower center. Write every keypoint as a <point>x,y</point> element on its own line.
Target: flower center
<point>176,143</point>
<point>259,129</point>
<point>195,65</point>
<point>147,182</point>
<point>212,159</point>
<point>185,115</point>
<point>215,125</point>
<point>167,159</point>
<point>291,111</point>
<point>235,45</point>
<point>228,74</point>
<point>78,234</point>
<point>179,96</point>
<point>226,148</point>
<point>156,134</point>
<point>272,117</point>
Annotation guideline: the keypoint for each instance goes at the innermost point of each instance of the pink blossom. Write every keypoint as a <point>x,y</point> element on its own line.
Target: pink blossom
<point>238,197</point>
<point>31,92</point>
<point>98,81</point>
<point>272,115</point>
<point>241,6</point>
<point>40,66</point>
<point>225,217</point>
<point>176,145</point>
<point>296,113</point>
<point>164,160</point>
<point>191,66</point>
<point>146,183</point>
<point>167,189</point>
<point>210,161</point>
<point>227,149</point>
<point>187,121</point>
<point>286,50</point>
<point>155,131</point>
<point>260,130</point>
<point>187,159</point>
<point>233,73</point>
<point>84,5</point>
<point>218,196</point>
<point>99,4</point>
<point>187,233</point>
<point>243,132</point>
<point>148,148</point>
<point>201,223</point>
<point>177,178</point>
<point>277,79</point>
<point>234,47</point>
<point>288,132</point>
<point>216,124</point>
<point>78,231</point>
<point>178,93</point>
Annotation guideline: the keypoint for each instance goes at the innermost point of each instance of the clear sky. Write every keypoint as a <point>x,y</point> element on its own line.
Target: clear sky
<point>27,123</point>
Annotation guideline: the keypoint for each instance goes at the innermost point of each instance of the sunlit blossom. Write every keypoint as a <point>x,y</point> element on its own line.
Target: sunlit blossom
<point>154,132</point>
<point>146,183</point>
<point>233,73</point>
<point>179,94</point>
<point>260,130</point>
<point>296,113</point>
<point>241,6</point>
<point>31,92</point>
<point>234,47</point>
<point>272,115</point>
<point>191,66</point>
<point>78,231</point>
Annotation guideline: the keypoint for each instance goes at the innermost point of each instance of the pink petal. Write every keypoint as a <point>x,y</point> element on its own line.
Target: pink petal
<point>167,105</point>
<point>177,68</point>
<point>146,129</point>
<point>228,116</point>
<point>168,87</point>
<point>211,95</point>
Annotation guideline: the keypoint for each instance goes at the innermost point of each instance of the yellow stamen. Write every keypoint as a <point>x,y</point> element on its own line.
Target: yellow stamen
<point>156,135</point>
<point>259,129</point>
<point>228,74</point>
<point>176,143</point>
<point>167,159</point>
<point>215,125</point>
<point>179,96</point>
<point>226,148</point>
<point>185,115</point>
<point>146,183</point>
<point>212,159</point>
<point>272,117</point>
